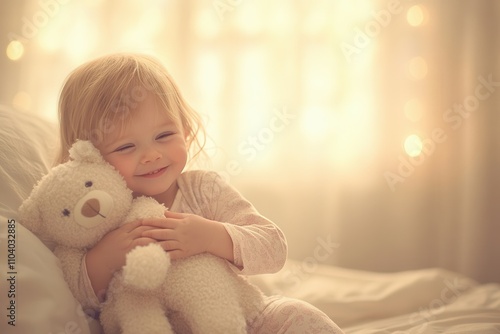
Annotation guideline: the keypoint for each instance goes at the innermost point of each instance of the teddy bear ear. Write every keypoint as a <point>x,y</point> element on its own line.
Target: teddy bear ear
<point>85,151</point>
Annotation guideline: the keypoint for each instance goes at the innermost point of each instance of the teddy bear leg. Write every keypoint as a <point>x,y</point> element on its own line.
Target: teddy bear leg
<point>218,318</point>
<point>141,313</point>
<point>108,320</point>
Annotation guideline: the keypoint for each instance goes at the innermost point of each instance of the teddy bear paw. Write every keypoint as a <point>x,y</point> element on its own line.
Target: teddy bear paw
<point>146,267</point>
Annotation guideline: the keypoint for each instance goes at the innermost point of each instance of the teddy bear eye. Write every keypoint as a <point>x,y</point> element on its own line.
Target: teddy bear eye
<point>66,212</point>
<point>88,184</point>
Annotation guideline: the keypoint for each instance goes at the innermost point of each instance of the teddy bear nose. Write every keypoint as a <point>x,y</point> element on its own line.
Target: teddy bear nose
<point>91,208</point>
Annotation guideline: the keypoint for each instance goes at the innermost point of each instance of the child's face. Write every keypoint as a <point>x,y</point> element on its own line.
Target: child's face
<point>149,152</point>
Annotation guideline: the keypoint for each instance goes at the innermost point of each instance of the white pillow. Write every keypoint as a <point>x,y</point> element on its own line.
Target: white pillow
<point>43,302</point>
<point>27,148</point>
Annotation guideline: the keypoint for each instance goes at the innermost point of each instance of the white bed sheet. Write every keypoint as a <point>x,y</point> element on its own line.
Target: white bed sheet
<point>421,301</point>
<point>477,310</point>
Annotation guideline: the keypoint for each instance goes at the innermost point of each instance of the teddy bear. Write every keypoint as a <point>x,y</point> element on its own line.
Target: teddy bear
<point>73,206</point>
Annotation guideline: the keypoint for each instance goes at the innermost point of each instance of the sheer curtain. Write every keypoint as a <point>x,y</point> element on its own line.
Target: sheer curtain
<point>439,81</point>
<point>365,129</point>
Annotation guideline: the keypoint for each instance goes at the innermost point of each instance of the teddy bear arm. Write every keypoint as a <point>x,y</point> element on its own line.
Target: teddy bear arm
<point>145,207</point>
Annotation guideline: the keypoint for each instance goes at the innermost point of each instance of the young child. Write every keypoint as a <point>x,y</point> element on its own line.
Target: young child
<point>130,108</point>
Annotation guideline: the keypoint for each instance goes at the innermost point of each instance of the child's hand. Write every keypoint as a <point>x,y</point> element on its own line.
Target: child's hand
<point>113,247</point>
<point>108,255</point>
<point>184,235</point>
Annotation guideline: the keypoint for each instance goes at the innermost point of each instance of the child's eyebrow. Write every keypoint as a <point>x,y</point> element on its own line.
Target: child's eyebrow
<point>167,123</point>
<point>110,145</point>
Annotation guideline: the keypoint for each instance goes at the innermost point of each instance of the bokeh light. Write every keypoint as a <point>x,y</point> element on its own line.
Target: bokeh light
<point>413,145</point>
<point>416,15</point>
<point>15,50</point>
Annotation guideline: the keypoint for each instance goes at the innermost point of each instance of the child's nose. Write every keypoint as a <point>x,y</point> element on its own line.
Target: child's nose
<point>150,156</point>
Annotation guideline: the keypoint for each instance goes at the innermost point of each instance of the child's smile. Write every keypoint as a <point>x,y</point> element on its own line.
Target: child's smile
<point>154,173</point>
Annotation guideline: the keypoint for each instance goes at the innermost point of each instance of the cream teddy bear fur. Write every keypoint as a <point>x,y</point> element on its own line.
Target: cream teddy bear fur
<point>78,202</point>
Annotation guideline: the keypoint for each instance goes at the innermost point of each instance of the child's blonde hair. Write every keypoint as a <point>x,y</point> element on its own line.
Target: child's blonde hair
<point>98,97</point>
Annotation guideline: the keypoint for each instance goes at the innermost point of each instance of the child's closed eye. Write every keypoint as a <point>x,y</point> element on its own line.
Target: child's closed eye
<point>164,135</point>
<point>124,148</point>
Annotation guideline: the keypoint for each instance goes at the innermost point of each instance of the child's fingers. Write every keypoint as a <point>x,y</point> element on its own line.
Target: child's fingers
<point>159,234</point>
<point>135,229</point>
<point>170,245</point>
<point>129,227</point>
<point>140,230</point>
<point>175,215</point>
<point>143,241</point>
<point>176,254</point>
<point>159,222</point>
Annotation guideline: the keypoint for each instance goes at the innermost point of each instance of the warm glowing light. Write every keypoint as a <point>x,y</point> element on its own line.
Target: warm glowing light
<point>416,15</point>
<point>252,89</point>
<point>22,101</point>
<point>359,9</point>
<point>320,75</point>
<point>84,36</point>
<point>413,110</point>
<point>249,21</point>
<point>206,24</point>
<point>417,68</point>
<point>315,123</point>
<point>51,38</point>
<point>283,20</point>
<point>252,77</point>
<point>352,141</point>
<point>15,50</point>
<point>315,22</point>
<point>413,145</point>
<point>209,73</point>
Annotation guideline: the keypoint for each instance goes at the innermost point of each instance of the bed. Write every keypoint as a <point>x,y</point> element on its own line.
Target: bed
<point>36,299</point>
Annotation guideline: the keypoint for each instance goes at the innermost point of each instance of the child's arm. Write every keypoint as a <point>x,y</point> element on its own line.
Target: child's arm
<point>71,259</point>
<point>108,255</point>
<point>221,222</point>
<point>259,246</point>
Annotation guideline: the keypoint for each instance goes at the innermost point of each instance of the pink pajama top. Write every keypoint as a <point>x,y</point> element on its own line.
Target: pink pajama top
<point>259,246</point>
